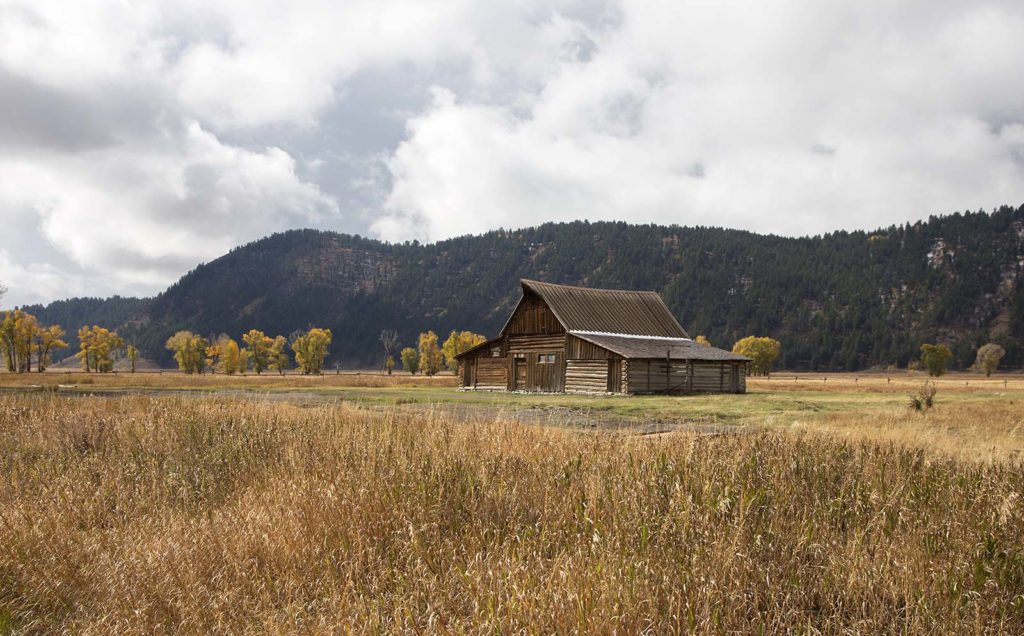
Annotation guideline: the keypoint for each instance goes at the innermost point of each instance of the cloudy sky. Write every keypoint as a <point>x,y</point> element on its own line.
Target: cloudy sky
<point>138,138</point>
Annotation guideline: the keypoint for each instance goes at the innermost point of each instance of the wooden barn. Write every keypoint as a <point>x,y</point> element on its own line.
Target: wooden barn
<point>562,339</point>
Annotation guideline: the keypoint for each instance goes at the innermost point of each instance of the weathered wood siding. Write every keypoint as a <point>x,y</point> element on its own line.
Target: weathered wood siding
<point>536,375</point>
<point>651,376</point>
<point>520,344</point>
<point>533,316</point>
<point>697,376</point>
<point>579,349</point>
<point>485,371</point>
<point>491,374</point>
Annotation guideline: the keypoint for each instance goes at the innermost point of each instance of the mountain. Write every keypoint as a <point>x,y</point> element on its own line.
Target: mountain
<point>841,301</point>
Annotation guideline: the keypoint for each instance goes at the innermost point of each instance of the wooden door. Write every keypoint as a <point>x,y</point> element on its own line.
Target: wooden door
<point>734,384</point>
<point>518,374</point>
<point>547,372</point>
<point>615,376</point>
<point>468,368</point>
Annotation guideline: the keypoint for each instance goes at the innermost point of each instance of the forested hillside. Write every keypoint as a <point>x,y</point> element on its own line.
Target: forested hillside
<point>112,313</point>
<point>843,301</point>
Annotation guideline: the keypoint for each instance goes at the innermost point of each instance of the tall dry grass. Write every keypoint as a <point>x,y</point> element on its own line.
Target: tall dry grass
<point>167,515</point>
<point>268,380</point>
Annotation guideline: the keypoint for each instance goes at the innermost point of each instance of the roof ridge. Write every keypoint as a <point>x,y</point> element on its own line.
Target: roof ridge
<point>530,281</point>
<point>581,332</point>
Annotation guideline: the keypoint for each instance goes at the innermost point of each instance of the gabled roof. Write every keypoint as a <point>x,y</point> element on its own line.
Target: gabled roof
<point>641,313</point>
<point>634,347</point>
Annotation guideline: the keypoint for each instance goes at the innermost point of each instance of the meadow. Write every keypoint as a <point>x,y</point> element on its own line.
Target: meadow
<point>186,505</point>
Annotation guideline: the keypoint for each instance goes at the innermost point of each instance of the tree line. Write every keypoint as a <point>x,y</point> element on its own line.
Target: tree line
<point>197,354</point>
<point>427,357</point>
<point>27,345</point>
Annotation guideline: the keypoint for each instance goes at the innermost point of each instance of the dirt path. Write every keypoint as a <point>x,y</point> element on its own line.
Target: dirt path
<point>561,416</point>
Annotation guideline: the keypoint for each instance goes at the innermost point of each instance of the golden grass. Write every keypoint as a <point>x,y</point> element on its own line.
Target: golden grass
<point>167,515</point>
<point>268,380</point>
<point>987,431</point>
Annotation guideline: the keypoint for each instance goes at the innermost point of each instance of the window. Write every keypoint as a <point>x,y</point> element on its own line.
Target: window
<point>545,358</point>
<point>495,352</point>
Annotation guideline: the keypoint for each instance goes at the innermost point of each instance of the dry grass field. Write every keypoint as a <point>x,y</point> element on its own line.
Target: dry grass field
<point>832,510</point>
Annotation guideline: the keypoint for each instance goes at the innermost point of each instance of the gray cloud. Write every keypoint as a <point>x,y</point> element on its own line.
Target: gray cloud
<point>137,140</point>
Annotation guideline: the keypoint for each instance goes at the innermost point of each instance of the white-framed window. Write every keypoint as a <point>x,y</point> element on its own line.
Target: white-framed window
<point>495,352</point>
<point>545,358</point>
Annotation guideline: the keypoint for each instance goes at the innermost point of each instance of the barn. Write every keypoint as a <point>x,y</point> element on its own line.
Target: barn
<point>563,339</point>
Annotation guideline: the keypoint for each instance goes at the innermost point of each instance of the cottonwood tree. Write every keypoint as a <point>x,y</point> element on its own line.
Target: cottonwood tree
<point>701,340</point>
<point>48,339</point>
<point>410,360</point>
<point>762,352</point>
<point>431,357</point>
<point>132,353</point>
<point>935,357</point>
<point>189,351</point>
<point>16,333</point>
<point>260,345</point>
<point>989,356</point>
<point>21,336</point>
<point>278,356</point>
<point>97,346</point>
<point>459,342</point>
<point>230,358</point>
<point>389,339</point>
<point>311,348</point>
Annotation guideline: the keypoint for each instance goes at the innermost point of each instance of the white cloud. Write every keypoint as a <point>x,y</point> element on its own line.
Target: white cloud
<point>139,217</point>
<point>145,137</point>
<point>777,117</point>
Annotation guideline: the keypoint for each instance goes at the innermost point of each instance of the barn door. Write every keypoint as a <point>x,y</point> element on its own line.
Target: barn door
<point>547,378</point>
<point>518,374</point>
<point>615,376</point>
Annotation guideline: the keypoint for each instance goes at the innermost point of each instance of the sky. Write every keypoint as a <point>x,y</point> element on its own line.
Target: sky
<point>139,139</point>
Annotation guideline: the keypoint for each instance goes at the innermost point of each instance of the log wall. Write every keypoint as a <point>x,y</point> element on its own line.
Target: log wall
<point>491,374</point>
<point>521,344</point>
<point>586,376</point>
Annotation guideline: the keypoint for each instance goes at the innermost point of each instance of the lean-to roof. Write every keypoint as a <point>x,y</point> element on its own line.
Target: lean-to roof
<point>638,347</point>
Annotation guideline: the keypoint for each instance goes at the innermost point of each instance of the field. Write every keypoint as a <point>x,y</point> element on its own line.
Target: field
<point>165,504</point>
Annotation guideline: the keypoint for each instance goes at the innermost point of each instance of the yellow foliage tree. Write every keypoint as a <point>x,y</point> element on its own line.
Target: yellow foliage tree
<point>457,343</point>
<point>243,360</point>
<point>935,357</point>
<point>762,351</point>
<point>17,333</point>
<point>231,358</point>
<point>96,348</point>
<point>410,360</point>
<point>311,348</point>
<point>278,356</point>
<point>132,353</point>
<point>189,351</point>
<point>431,357</point>
<point>701,340</point>
<point>48,339</point>
<point>260,345</point>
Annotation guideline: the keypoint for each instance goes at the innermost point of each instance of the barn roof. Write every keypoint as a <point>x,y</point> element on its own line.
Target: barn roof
<point>633,347</point>
<point>616,311</point>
